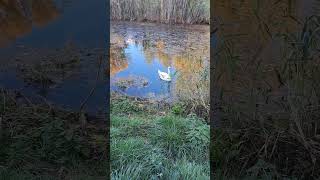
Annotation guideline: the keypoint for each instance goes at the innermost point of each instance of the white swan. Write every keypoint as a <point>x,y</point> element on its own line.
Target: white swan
<point>129,41</point>
<point>165,76</point>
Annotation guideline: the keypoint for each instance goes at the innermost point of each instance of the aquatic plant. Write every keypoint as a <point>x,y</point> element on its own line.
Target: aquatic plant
<point>131,81</point>
<point>46,68</point>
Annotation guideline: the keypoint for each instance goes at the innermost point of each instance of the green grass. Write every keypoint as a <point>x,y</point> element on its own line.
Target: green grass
<point>147,144</point>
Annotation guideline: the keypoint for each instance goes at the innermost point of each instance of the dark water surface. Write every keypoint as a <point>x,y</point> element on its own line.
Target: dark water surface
<point>51,23</point>
<point>36,34</point>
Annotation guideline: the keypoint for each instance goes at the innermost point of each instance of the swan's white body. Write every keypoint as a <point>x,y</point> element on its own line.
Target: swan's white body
<point>129,41</point>
<point>165,76</point>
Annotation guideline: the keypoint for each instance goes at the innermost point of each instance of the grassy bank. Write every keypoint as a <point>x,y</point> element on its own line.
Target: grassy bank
<point>39,141</point>
<point>151,140</point>
<point>164,11</point>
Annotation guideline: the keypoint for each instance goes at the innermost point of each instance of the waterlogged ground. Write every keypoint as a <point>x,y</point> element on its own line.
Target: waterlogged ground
<point>139,50</point>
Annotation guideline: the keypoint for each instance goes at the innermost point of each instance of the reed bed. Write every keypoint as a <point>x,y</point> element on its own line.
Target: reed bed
<point>267,115</point>
<point>192,86</point>
<point>164,11</point>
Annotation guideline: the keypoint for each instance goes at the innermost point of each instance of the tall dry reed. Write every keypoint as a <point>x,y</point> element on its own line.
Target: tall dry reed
<point>164,11</point>
<point>269,112</point>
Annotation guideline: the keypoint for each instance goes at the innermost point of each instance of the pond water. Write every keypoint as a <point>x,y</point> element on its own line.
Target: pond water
<point>38,39</point>
<point>51,23</point>
<point>139,50</point>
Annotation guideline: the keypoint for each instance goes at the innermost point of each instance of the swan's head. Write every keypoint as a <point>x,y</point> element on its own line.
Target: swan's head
<point>169,67</point>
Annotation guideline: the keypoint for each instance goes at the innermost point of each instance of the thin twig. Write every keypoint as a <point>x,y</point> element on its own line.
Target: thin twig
<point>4,101</point>
<point>94,87</point>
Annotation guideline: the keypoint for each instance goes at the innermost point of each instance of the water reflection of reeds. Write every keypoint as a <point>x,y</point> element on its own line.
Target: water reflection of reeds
<point>17,17</point>
<point>189,58</point>
<point>118,61</point>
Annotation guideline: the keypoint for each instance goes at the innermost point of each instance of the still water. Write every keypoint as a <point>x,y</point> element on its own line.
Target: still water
<point>145,48</point>
<point>36,34</point>
<point>51,23</point>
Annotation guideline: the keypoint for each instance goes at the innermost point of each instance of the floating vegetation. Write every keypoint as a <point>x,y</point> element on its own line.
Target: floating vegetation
<point>131,81</point>
<point>47,68</point>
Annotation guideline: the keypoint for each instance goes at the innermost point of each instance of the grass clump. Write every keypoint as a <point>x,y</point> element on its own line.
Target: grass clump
<point>155,145</point>
<point>184,169</point>
<point>177,109</point>
<point>38,141</point>
<point>169,133</point>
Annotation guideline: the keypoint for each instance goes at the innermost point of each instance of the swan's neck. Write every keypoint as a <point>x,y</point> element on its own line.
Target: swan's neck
<point>168,71</point>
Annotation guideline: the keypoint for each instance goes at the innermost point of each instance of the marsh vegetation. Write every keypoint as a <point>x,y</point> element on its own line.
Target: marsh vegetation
<point>159,131</point>
<point>266,90</point>
<point>164,11</point>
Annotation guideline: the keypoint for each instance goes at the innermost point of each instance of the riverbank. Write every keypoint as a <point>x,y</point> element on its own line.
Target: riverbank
<point>41,141</point>
<point>151,139</point>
